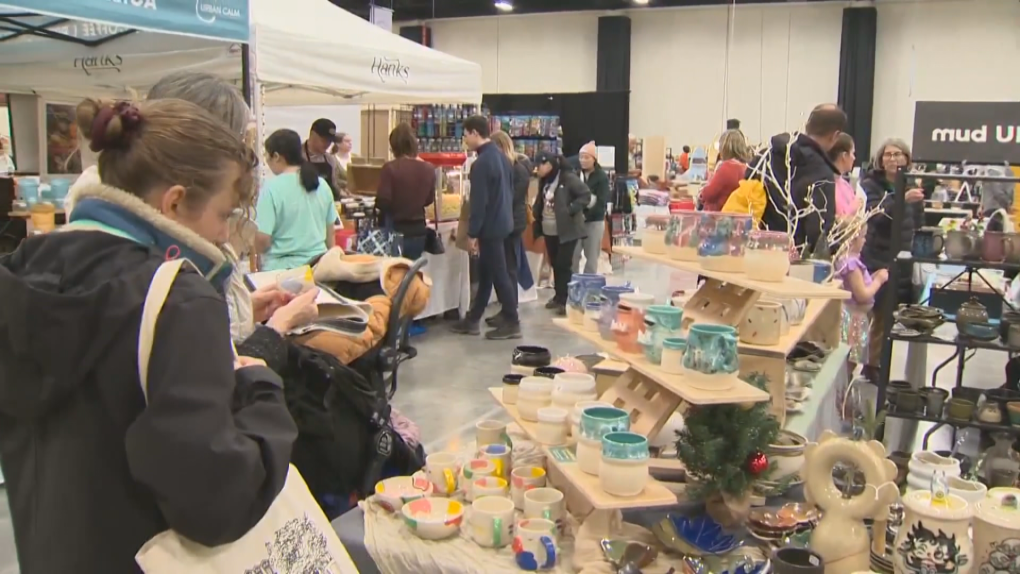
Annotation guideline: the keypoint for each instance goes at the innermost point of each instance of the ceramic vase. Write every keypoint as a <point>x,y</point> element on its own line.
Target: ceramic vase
<point>996,533</point>
<point>710,360</point>
<point>582,288</point>
<point>768,256</point>
<point>842,537</point>
<point>609,299</point>
<point>627,327</point>
<point>722,239</point>
<point>763,325</point>
<point>682,236</point>
<point>934,536</point>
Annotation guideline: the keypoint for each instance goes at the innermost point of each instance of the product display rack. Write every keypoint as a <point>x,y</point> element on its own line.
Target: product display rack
<point>962,344</point>
<point>440,128</point>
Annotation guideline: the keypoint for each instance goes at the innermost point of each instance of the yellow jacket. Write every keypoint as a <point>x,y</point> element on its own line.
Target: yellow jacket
<point>749,197</point>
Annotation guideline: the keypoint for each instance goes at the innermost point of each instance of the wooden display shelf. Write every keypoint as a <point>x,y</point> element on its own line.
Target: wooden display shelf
<point>797,333</point>
<point>741,392</point>
<point>529,428</point>
<point>655,494</point>
<point>790,288</point>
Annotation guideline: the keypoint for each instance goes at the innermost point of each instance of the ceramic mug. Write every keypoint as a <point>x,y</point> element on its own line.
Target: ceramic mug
<point>995,248</point>
<point>624,468</point>
<point>500,455</point>
<point>812,270</point>
<point>490,432</point>
<point>547,503</point>
<point>475,468</point>
<point>492,521</point>
<point>928,242</point>
<point>489,486</point>
<point>711,350</point>
<point>961,244</point>
<point>607,301</point>
<point>523,479</point>
<point>535,544</point>
<point>442,470</point>
<point>763,324</point>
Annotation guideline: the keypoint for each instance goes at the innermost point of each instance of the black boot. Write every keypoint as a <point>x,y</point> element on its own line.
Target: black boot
<point>505,331</point>
<point>466,327</point>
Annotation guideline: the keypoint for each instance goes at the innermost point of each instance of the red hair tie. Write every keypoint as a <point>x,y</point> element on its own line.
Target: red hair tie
<point>130,119</point>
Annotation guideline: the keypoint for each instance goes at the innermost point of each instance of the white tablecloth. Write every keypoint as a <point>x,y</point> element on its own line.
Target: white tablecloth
<point>451,277</point>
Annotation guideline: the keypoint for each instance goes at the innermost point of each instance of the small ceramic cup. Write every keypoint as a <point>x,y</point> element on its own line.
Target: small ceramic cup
<point>501,455</point>
<point>547,503</point>
<point>793,560</point>
<point>511,384</point>
<point>535,544</point>
<point>442,469</point>
<point>552,426</point>
<point>624,468</point>
<point>475,468</point>
<point>595,423</point>
<point>489,486</point>
<point>523,479</point>
<point>492,521</point>
<point>673,355</point>
<point>960,409</point>
<point>490,432</point>
<point>934,401</point>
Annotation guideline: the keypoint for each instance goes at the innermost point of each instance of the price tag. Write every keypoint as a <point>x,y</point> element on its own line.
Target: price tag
<point>562,454</point>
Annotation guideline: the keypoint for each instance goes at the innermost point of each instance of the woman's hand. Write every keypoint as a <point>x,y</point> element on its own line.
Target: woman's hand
<point>914,195</point>
<point>301,310</point>
<point>266,300</point>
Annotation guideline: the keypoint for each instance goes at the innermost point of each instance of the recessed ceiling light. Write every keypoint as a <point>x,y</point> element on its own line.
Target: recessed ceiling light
<point>504,5</point>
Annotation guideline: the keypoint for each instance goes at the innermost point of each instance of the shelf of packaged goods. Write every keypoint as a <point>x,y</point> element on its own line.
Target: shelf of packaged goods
<point>789,288</point>
<point>740,392</point>
<point>562,457</point>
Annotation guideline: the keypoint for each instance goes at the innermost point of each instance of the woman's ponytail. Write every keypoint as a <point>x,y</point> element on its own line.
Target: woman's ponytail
<point>309,177</point>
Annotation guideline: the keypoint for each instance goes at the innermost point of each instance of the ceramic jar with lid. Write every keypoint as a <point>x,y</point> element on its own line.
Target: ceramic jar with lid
<point>972,312</point>
<point>526,358</point>
<point>673,355</point>
<point>552,426</point>
<point>624,467</point>
<point>569,388</point>
<point>534,393</point>
<point>597,422</point>
<point>996,533</point>
<point>511,384</point>
<point>935,535</point>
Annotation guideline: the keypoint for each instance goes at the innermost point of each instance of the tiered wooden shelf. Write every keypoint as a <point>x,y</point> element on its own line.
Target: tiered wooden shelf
<point>655,494</point>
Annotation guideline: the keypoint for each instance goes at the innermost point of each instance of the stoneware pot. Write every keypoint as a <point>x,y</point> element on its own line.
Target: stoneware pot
<point>682,236</point>
<point>722,241</point>
<point>608,301</point>
<point>627,327</point>
<point>908,401</point>
<point>582,289</point>
<point>433,518</point>
<point>763,324</point>
<point>960,410</point>
<point>787,454</point>
<point>934,536</point>
<point>710,360</point>
<point>511,384</point>
<point>596,422</point>
<point>624,468</point>
<point>934,400</point>
<point>962,244</point>
<point>925,464</point>
<point>549,372</point>
<point>653,241</point>
<point>768,256</point>
<point>526,358</point>
<point>793,560</point>
<point>996,529</point>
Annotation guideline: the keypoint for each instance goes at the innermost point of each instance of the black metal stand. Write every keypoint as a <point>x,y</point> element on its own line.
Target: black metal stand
<point>887,306</point>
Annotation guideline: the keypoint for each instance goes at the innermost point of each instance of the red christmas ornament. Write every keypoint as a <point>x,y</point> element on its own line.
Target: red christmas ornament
<point>757,463</point>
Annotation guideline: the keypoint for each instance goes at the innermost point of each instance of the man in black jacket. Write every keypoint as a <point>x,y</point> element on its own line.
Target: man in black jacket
<point>490,223</point>
<point>811,175</point>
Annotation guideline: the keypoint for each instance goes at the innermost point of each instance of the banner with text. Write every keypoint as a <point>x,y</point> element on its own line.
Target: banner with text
<point>975,132</point>
<point>217,19</point>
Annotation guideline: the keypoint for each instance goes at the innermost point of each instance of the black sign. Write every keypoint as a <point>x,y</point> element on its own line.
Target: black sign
<point>90,64</point>
<point>976,132</point>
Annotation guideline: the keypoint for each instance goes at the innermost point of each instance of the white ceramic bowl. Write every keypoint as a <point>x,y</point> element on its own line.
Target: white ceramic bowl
<point>433,518</point>
<point>788,455</point>
<point>393,493</point>
<point>969,490</point>
<point>574,383</point>
<point>924,464</point>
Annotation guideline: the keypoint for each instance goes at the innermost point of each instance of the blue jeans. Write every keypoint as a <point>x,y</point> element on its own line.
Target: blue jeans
<point>497,267</point>
<point>413,247</point>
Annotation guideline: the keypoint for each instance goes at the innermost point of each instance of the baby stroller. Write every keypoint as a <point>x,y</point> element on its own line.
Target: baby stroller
<point>346,442</point>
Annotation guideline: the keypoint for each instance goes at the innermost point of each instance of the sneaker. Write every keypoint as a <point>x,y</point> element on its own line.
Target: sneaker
<point>466,327</point>
<point>552,304</point>
<point>494,321</point>
<point>505,331</point>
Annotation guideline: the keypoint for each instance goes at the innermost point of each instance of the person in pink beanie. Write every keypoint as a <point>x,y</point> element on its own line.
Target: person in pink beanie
<point>595,213</point>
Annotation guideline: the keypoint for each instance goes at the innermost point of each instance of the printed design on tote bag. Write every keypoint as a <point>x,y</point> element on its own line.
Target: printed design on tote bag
<point>297,548</point>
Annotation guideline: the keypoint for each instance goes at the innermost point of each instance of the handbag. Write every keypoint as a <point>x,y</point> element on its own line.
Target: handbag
<point>433,241</point>
<point>380,241</point>
<point>293,536</point>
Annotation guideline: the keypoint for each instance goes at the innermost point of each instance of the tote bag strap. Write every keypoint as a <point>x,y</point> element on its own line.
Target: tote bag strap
<point>159,289</point>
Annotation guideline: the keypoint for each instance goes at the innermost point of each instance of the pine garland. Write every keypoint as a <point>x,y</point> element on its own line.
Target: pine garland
<point>717,440</point>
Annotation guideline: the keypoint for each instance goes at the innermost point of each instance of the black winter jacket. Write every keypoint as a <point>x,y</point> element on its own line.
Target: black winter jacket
<point>89,466</point>
<point>598,183</point>
<point>569,200</point>
<point>522,179</point>
<point>881,247</point>
<point>492,194</point>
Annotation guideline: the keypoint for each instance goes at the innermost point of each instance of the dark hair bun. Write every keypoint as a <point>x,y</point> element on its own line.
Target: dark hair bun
<point>114,126</point>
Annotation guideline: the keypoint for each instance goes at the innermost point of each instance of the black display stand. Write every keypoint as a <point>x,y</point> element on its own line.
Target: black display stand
<point>962,345</point>
<point>602,117</point>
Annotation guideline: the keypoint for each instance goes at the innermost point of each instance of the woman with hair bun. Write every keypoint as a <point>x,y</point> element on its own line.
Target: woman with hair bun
<point>296,213</point>
<point>89,459</point>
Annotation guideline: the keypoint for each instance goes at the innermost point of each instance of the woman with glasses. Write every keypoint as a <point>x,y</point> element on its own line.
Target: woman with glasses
<point>881,247</point>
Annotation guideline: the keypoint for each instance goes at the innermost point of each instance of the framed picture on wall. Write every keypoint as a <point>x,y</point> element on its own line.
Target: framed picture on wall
<point>61,140</point>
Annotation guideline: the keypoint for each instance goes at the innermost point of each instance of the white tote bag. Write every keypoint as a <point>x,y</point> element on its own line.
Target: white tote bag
<point>293,537</point>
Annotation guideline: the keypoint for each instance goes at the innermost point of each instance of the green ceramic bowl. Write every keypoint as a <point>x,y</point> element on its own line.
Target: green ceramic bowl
<point>597,422</point>
<point>624,446</point>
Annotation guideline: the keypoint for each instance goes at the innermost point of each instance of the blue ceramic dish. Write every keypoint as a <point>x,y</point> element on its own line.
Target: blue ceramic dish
<point>703,534</point>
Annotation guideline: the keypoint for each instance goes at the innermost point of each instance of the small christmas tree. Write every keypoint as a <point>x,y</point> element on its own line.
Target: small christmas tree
<point>723,446</point>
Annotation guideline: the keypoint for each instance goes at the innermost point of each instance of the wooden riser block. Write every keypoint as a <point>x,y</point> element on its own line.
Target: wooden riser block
<point>720,304</point>
<point>648,403</point>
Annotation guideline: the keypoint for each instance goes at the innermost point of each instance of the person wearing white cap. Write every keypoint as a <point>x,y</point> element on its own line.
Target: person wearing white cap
<point>595,213</point>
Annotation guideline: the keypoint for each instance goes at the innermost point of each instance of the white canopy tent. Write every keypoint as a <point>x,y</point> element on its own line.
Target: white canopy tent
<point>305,52</point>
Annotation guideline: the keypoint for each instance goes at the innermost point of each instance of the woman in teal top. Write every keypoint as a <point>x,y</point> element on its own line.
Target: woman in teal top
<point>295,212</point>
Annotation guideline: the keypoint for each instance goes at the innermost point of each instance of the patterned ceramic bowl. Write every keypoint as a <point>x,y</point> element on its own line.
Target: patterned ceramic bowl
<point>433,518</point>
<point>697,535</point>
<point>393,493</point>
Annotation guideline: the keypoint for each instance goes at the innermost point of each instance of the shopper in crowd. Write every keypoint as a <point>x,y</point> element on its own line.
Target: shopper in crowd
<point>733,156</point>
<point>407,186</point>
<point>204,448</point>
<point>685,159</point>
<point>996,195</point>
<point>342,151</point>
<point>595,212</point>
<point>842,155</point>
<point>559,217</point>
<point>491,222</point>
<point>862,286</point>
<point>6,163</point>
<point>317,150</point>
<point>515,260</point>
<point>882,246</point>
<point>296,213</point>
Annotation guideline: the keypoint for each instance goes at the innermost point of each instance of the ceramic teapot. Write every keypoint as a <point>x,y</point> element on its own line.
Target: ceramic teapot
<point>841,537</point>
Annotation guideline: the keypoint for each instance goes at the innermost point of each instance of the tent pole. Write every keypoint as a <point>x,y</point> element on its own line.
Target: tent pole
<point>246,72</point>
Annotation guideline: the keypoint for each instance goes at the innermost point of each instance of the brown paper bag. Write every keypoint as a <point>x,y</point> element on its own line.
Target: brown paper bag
<point>462,225</point>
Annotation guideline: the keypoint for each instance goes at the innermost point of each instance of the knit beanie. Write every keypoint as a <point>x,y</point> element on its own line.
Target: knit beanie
<point>590,149</point>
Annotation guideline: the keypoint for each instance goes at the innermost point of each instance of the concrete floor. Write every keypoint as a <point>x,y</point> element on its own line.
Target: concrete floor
<point>444,388</point>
